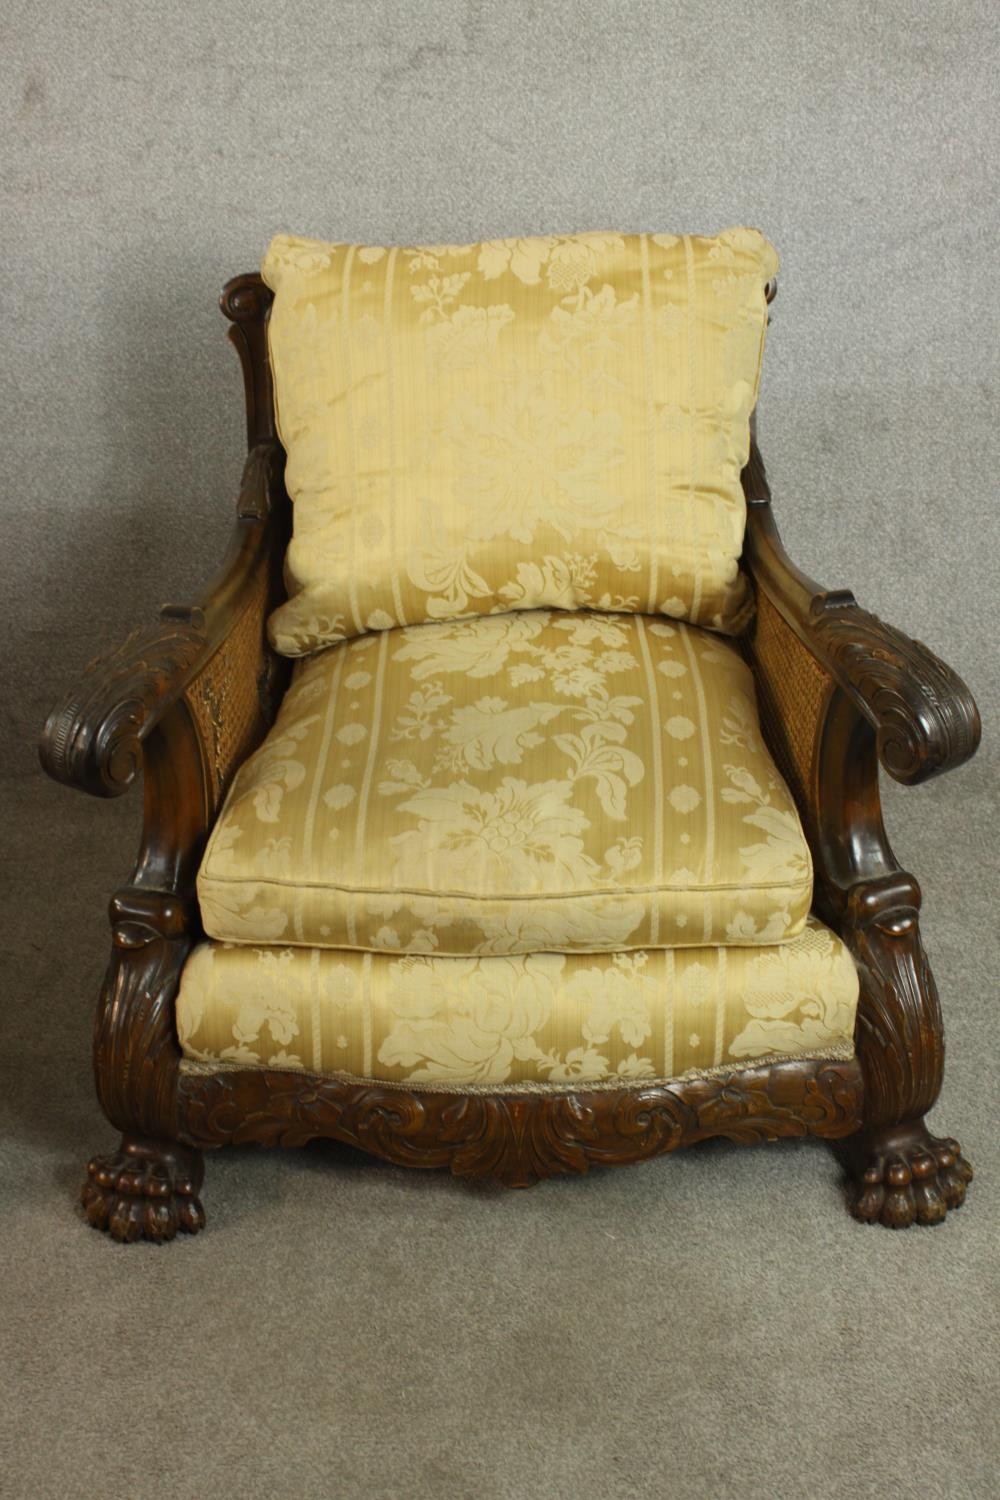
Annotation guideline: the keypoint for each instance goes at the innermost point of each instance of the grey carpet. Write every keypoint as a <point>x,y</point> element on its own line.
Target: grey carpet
<point>710,1325</point>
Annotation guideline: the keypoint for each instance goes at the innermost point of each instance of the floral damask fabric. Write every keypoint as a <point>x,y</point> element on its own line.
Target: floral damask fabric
<point>555,422</point>
<point>544,1018</point>
<point>535,781</point>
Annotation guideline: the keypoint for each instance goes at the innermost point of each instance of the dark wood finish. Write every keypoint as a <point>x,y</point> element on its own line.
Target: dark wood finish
<point>519,1138</point>
<point>145,1190</point>
<point>924,717</point>
<point>841,692</point>
<point>93,740</point>
<point>246,302</point>
<point>167,700</point>
<point>190,697</point>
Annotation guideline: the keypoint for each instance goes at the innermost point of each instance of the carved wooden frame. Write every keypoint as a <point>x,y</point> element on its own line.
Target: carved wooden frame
<point>841,692</point>
<point>188,699</point>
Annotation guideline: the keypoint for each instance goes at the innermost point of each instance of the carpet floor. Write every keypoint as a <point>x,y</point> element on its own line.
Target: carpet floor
<point>708,1325</point>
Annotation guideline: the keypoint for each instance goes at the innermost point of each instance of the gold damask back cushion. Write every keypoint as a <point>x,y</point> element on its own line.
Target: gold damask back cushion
<point>555,422</point>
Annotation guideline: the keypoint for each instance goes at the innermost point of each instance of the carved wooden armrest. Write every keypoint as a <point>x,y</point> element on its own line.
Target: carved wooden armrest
<point>925,718</point>
<point>212,655</point>
<point>840,693</point>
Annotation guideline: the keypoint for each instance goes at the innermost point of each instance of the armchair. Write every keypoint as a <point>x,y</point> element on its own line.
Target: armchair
<point>187,700</point>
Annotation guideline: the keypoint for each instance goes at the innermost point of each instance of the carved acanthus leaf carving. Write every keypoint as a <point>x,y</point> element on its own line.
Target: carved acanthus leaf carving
<point>93,739</point>
<point>262,472</point>
<point>899,1034</point>
<point>135,1046</point>
<point>925,718</point>
<point>902,1175</point>
<point>518,1139</point>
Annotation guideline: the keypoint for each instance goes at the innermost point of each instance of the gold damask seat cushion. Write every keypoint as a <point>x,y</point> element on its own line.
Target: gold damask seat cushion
<point>539,1019</point>
<point>537,781</point>
<point>558,421</point>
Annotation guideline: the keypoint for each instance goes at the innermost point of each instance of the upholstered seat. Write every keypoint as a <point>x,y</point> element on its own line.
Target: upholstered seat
<point>541,1018</point>
<point>508,784</point>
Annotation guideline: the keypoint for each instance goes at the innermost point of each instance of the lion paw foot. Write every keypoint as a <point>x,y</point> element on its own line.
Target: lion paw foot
<point>910,1177</point>
<point>145,1190</point>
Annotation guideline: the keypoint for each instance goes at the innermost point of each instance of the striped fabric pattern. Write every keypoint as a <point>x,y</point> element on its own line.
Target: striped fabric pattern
<point>537,781</point>
<point>557,421</point>
<point>544,1019</point>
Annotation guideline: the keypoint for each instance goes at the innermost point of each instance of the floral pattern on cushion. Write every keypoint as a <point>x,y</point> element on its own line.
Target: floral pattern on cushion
<point>538,781</point>
<point>542,1018</point>
<point>558,421</point>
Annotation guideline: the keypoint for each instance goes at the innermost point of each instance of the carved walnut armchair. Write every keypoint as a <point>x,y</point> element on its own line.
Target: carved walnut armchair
<point>186,701</point>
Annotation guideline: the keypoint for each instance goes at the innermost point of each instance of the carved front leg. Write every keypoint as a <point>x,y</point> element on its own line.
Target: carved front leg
<point>148,1188</point>
<point>908,1176</point>
<point>902,1174</point>
<point>145,1190</point>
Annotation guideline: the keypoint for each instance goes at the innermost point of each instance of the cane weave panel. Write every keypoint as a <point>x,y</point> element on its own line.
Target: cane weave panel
<point>792,689</point>
<point>225,698</point>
